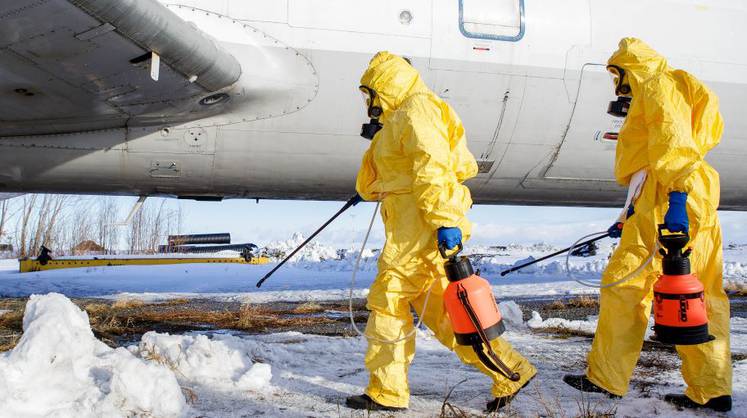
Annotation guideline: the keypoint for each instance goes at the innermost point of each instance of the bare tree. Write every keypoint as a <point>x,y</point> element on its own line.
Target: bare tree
<point>106,229</point>
<point>29,203</point>
<point>3,216</point>
<point>151,225</point>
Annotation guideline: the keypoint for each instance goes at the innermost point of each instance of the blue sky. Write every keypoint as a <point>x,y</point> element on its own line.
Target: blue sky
<point>272,220</point>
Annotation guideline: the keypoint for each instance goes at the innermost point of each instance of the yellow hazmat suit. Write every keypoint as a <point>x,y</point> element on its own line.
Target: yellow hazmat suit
<point>416,165</point>
<point>672,123</point>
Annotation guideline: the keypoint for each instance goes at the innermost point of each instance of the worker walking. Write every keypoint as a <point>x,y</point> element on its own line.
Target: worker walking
<point>415,166</point>
<point>672,122</point>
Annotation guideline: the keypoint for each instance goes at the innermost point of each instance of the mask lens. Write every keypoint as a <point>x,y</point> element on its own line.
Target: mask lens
<point>365,98</point>
<point>614,75</point>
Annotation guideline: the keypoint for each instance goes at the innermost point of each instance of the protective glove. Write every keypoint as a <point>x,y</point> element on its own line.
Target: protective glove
<point>616,229</point>
<point>355,200</point>
<point>449,236</point>
<point>676,217</point>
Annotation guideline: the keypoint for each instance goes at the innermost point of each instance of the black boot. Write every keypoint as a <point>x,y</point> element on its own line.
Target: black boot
<point>720,404</point>
<point>365,402</point>
<point>580,382</point>
<point>499,403</point>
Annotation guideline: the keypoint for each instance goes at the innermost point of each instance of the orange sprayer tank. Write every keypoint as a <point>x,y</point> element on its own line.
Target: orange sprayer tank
<point>464,283</point>
<point>679,302</point>
<point>473,312</point>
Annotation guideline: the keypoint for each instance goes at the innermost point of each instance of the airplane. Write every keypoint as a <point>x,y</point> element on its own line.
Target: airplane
<point>214,99</point>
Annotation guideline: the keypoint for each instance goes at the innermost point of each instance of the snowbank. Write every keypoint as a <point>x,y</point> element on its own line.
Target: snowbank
<point>219,363</point>
<point>588,326</point>
<point>60,369</point>
<point>512,315</point>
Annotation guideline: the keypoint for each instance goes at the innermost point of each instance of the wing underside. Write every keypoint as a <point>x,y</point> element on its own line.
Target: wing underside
<point>72,65</point>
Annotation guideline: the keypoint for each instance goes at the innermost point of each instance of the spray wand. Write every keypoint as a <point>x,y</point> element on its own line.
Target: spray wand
<point>350,203</point>
<point>581,244</point>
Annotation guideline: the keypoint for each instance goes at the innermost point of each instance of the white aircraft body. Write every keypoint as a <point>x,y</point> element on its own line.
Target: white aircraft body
<point>211,99</point>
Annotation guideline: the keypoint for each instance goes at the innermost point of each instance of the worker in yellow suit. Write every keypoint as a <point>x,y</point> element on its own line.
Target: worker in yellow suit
<point>415,166</point>
<point>672,122</point>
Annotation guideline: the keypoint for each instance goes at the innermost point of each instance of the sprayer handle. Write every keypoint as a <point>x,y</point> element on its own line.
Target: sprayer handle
<point>442,249</point>
<point>662,227</point>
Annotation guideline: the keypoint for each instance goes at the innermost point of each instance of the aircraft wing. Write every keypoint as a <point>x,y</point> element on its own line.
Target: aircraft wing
<point>73,65</point>
<point>6,196</point>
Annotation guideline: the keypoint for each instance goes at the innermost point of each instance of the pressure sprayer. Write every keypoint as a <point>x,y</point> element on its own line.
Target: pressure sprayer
<point>474,315</point>
<point>679,300</point>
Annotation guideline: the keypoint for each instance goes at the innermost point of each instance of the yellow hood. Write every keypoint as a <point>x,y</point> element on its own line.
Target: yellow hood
<point>393,80</point>
<point>639,61</point>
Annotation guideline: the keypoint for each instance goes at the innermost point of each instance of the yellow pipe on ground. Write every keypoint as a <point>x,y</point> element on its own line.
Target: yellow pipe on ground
<point>30,265</point>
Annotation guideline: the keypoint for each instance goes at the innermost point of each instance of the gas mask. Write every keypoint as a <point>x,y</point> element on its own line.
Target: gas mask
<point>368,130</point>
<point>619,107</point>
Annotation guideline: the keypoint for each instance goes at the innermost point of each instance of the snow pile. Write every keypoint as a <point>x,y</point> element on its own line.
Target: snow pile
<point>60,369</point>
<point>219,363</point>
<point>735,271</point>
<point>312,252</point>
<point>534,268</point>
<point>512,315</point>
<point>588,326</point>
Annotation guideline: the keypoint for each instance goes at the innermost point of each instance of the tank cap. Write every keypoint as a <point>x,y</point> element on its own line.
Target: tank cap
<point>675,262</point>
<point>458,268</point>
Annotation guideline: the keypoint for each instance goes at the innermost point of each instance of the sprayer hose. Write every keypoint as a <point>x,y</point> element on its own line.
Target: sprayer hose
<point>599,285</point>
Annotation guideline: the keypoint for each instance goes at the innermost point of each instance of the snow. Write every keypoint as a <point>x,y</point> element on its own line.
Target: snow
<point>318,272</point>
<point>221,363</point>
<point>512,315</point>
<point>588,326</point>
<point>60,369</point>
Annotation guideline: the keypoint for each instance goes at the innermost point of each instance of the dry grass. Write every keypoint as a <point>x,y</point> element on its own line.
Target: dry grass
<point>564,333</point>
<point>175,302</point>
<point>255,318</point>
<point>557,305</point>
<point>97,308</point>
<point>128,318</point>
<point>309,307</point>
<point>10,341</point>
<point>583,301</point>
<point>128,303</point>
<point>587,407</point>
<point>12,320</point>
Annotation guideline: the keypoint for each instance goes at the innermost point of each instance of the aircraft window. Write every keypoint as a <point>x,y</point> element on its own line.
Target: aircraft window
<point>501,20</point>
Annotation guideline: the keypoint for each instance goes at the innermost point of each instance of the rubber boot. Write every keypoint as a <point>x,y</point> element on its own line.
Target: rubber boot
<point>366,403</point>
<point>580,382</point>
<point>720,404</point>
<point>499,403</point>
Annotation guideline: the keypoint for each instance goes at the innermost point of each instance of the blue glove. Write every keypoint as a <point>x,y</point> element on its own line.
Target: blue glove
<point>676,217</point>
<point>616,230</point>
<point>355,200</point>
<point>450,237</point>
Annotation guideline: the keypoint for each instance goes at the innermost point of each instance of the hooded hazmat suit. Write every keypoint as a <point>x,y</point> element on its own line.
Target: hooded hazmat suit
<point>415,166</point>
<point>673,121</point>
